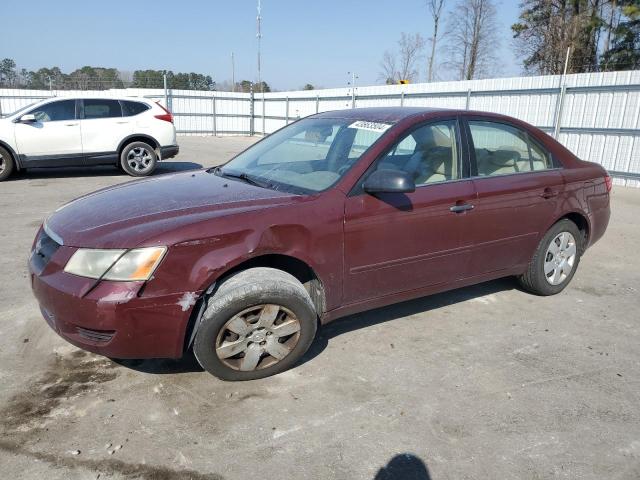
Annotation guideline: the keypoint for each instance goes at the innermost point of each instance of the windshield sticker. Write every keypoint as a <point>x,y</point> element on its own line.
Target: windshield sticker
<point>371,126</point>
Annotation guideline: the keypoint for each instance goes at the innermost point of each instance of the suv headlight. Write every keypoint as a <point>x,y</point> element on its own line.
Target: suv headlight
<point>122,265</point>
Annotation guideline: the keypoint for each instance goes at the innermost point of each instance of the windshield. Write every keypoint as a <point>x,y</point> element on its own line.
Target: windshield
<point>308,156</point>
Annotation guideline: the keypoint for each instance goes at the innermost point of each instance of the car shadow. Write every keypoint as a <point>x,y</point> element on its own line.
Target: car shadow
<point>403,309</point>
<point>98,171</point>
<point>404,466</point>
<point>188,363</point>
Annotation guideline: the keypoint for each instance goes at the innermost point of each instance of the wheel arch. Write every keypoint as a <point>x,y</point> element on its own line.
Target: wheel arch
<point>12,152</point>
<point>138,137</point>
<point>582,222</point>
<point>294,266</point>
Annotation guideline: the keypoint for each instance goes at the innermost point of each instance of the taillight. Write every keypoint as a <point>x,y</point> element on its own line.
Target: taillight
<point>608,182</point>
<point>167,117</point>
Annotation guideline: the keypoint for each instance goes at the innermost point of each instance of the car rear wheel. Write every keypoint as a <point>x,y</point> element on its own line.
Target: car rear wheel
<point>6,164</point>
<point>555,261</point>
<point>258,323</point>
<point>138,159</point>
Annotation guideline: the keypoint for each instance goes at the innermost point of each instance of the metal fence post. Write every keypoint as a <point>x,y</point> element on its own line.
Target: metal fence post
<point>213,107</point>
<point>317,103</point>
<point>402,99</point>
<point>468,99</point>
<point>164,82</point>
<point>353,97</point>
<point>264,116</point>
<point>286,111</point>
<point>251,112</point>
<point>557,120</point>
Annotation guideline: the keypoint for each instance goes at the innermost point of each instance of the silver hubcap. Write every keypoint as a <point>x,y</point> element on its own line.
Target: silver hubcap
<point>258,337</point>
<point>139,159</point>
<point>560,258</point>
<point>3,165</point>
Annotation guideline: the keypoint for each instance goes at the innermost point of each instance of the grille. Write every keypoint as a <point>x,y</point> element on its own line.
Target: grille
<point>43,251</point>
<point>98,336</point>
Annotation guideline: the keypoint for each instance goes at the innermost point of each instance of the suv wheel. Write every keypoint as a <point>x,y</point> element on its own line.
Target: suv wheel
<point>6,164</point>
<point>555,261</point>
<point>258,323</point>
<point>138,159</point>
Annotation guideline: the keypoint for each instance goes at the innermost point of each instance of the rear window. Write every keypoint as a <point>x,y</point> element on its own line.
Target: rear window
<point>129,109</point>
<point>101,109</point>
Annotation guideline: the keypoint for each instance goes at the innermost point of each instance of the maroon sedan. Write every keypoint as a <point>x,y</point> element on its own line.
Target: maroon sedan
<point>334,214</point>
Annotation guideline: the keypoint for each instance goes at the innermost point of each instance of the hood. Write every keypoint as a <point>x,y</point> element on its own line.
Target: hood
<point>130,214</point>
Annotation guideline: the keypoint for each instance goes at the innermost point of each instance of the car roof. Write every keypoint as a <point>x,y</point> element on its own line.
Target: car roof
<point>396,114</point>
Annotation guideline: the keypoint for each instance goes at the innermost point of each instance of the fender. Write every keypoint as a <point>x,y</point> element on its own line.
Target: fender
<point>127,139</point>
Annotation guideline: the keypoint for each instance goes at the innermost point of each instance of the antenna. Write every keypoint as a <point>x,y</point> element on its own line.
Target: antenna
<point>259,37</point>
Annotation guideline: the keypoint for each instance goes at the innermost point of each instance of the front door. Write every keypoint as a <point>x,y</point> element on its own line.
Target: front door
<point>400,242</point>
<point>53,139</point>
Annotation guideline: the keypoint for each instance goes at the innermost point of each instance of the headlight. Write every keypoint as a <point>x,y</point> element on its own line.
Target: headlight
<point>123,265</point>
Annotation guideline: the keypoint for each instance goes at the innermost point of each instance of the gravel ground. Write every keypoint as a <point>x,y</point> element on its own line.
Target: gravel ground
<point>482,382</point>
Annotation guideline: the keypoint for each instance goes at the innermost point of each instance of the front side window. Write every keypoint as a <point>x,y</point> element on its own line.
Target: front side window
<point>55,111</point>
<point>308,156</point>
<point>428,154</point>
<point>101,109</point>
<point>501,149</point>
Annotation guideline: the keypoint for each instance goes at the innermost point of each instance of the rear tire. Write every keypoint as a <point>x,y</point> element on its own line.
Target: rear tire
<point>555,261</point>
<point>259,322</point>
<point>138,159</point>
<point>7,164</point>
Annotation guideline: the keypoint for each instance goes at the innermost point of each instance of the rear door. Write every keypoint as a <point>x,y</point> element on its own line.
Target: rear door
<point>518,189</point>
<point>103,128</point>
<point>53,139</point>
<point>400,242</point>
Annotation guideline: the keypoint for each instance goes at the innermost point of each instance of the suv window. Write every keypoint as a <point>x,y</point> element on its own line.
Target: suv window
<point>55,111</point>
<point>101,109</point>
<point>130,109</point>
<point>429,154</point>
<point>502,149</point>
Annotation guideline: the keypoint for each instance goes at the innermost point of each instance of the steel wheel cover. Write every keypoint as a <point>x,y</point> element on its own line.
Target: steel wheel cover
<point>257,337</point>
<point>560,258</point>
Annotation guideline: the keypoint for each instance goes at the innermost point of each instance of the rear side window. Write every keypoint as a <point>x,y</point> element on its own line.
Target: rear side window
<point>129,109</point>
<point>101,109</point>
<point>502,149</point>
<point>55,111</point>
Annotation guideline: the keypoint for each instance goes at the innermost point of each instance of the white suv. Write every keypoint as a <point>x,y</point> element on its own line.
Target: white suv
<point>132,133</point>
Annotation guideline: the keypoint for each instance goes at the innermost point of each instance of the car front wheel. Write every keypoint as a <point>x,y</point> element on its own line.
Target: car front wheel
<point>555,261</point>
<point>259,322</point>
<point>6,164</point>
<point>138,159</point>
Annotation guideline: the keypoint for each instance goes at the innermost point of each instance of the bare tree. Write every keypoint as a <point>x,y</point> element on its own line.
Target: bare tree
<point>403,64</point>
<point>389,70</point>
<point>435,9</point>
<point>472,39</point>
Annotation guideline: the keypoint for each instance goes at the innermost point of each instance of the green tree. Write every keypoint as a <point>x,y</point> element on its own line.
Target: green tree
<point>308,86</point>
<point>8,72</point>
<point>624,53</point>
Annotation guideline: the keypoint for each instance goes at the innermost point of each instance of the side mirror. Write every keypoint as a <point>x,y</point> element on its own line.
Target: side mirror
<point>389,181</point>
<point>28,118</point>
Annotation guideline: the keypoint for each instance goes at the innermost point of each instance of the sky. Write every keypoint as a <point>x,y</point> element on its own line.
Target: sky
<point>315,42</point>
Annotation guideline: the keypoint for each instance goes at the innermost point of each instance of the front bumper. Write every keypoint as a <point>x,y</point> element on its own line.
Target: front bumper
<point>169,151</point>
<point>113,319</point>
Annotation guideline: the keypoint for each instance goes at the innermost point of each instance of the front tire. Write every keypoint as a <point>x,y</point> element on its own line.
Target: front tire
<point>6,164</point>
<point>138,159</point>
<point>259,322</point>
<point>555,261</point>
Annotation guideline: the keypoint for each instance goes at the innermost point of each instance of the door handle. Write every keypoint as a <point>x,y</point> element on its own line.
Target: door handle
<point>71,124</point>
<point>459,208</point>
<point>122,122</point>
<point>548,193</point>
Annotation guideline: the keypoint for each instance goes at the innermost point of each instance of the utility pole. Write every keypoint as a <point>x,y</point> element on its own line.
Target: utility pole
<point>259,37</point>
<point>353,88</point>
<point>233,73</point>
